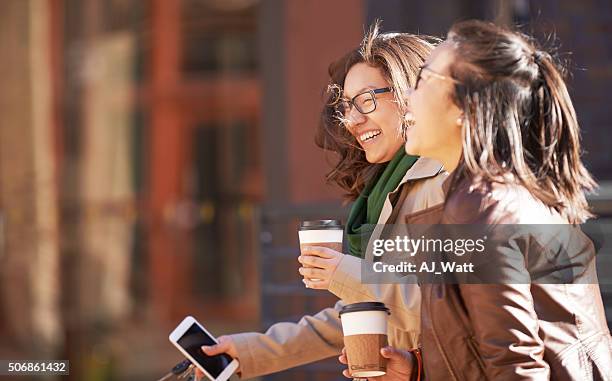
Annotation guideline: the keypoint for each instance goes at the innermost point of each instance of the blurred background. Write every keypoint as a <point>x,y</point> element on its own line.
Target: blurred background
<point>156,155</point>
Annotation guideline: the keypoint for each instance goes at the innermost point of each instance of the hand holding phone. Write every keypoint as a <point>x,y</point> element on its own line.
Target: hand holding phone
<point>225,345</point>
<point>189,337</point>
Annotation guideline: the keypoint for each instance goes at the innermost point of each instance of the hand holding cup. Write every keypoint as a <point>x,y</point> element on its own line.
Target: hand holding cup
<point>364,326</point>
<point>318,265</point>
<point>321,251</point>
<point>400,365</point>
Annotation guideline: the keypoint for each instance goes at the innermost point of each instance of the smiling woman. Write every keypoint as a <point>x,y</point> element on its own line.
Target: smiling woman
<point>495,109</point>
<point>362,119</point>
<point>365,103</point>
<point>361,122</point>
<point>374,120</point>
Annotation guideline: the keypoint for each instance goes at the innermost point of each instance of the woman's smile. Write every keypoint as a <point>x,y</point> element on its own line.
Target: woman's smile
<point>368,137</point>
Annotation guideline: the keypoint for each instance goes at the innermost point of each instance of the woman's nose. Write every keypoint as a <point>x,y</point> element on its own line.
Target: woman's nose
<point>355,117</point>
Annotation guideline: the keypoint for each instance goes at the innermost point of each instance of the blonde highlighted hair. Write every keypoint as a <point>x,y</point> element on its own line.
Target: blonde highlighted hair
<point>399,57</point>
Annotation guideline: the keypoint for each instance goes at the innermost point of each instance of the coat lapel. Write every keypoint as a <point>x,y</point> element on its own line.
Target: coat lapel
<point>422,168</point>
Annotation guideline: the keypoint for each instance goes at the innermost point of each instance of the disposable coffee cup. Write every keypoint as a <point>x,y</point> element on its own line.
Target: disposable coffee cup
<point>327,233</point>
<point>365,333</point>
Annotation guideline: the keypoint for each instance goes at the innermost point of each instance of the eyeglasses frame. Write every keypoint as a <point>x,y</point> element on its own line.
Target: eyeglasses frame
<point>434,74</point>
<point>372,92</point>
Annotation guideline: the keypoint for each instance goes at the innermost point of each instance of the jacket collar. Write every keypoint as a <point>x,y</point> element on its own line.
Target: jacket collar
<point>446,184</point>
<point>421,169</point>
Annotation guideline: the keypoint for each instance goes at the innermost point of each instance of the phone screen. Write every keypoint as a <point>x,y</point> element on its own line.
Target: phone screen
<point>192,341</point>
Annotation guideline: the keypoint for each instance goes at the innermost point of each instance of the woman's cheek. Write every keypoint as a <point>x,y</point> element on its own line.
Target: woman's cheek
<point>418,107</point>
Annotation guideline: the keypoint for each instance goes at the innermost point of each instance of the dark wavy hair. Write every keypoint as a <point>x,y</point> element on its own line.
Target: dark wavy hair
<point>518,117</point>
<point>399,57</point>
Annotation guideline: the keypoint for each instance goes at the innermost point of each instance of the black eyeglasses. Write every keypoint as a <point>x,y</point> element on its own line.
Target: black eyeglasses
<point>433,74</point>
<point>364,102</point>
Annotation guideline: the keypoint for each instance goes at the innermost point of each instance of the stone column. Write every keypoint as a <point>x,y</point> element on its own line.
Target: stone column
<point>29,271</point>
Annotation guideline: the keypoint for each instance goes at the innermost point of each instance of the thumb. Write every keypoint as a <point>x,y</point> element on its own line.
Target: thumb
<point>391,353</point>
<point>221,347</point>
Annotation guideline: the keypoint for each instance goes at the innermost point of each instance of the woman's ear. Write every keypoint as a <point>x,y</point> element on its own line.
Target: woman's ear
<point>459,120</point>
<point>408,119</point>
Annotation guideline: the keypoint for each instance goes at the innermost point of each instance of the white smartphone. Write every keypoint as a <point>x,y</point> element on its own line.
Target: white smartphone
<point>188,337</point>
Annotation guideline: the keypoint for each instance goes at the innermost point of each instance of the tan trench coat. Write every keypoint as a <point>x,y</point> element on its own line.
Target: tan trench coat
<point>286,345</point>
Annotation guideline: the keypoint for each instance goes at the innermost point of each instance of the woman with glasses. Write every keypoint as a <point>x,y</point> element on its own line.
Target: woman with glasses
<point>494,109</point>
<point>362,122</point>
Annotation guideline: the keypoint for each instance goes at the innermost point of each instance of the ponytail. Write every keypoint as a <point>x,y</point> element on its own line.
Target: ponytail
<point>562,169</point>
<point>519,118</point>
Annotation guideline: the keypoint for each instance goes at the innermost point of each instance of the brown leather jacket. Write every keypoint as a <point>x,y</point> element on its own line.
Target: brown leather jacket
<point>510,331</point>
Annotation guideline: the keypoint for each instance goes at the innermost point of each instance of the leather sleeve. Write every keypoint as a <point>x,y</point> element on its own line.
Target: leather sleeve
<point>505,331</point>
<point>503,315</point>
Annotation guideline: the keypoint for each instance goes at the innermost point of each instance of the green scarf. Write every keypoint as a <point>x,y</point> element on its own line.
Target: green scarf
<point>366,210</point>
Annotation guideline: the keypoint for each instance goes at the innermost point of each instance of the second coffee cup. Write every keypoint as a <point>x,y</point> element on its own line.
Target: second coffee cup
<point>365,333</point>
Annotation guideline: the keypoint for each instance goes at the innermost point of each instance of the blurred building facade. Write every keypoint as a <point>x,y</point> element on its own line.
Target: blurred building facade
<point>155,157</point>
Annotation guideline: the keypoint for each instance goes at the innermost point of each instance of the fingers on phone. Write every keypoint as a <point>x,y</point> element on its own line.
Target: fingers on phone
<point>210,349</point>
